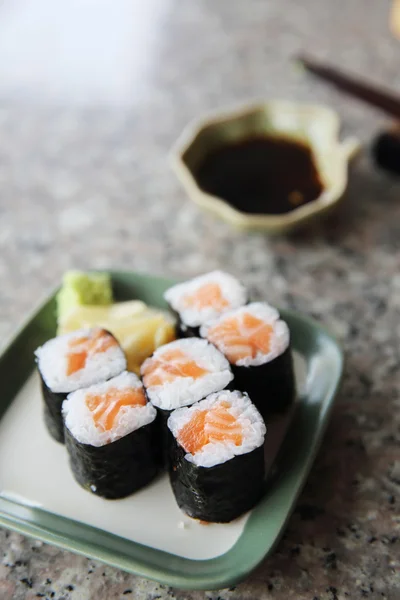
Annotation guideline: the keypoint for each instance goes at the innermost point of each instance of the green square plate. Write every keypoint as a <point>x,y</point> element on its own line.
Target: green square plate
<point>323,362</point>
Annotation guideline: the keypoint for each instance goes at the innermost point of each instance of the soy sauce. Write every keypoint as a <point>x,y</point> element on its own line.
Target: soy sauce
<point>263,174</point>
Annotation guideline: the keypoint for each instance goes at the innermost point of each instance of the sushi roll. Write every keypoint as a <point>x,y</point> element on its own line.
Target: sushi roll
<point>181,373</point>
<point>257,344</point>
<point>111,436</point>
<point>203,298</point>
<point>72,361</point>
<point>216,456</point>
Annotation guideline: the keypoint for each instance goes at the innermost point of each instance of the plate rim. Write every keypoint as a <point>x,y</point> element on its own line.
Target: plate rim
<point>215,573</point>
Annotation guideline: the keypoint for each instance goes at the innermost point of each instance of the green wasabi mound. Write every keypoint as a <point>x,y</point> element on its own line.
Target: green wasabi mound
<point>80,288</point>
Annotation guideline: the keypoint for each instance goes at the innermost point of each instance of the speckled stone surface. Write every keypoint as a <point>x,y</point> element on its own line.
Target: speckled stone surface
<point>84,182</point>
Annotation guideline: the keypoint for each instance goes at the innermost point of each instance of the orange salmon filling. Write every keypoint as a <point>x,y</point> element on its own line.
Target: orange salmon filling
<point>207,295</point>
<point>169,366</point>
<point>242,336</point>
<point>211,425</point>
<point>105,407</point>
<point>83,347</point>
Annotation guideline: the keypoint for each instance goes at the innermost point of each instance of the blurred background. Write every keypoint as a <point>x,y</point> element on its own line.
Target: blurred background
<point>93,93</point>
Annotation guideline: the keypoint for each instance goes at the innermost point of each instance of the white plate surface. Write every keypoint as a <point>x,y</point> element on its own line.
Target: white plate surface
<point>34,469</point>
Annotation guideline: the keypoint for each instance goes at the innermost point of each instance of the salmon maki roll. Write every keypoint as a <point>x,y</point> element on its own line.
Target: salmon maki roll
<point>111,436</point>
<point>181,373</point>
<point>69,362</point>
<point>257,344</point>
<point>203,298</point>
<point>216,457</point>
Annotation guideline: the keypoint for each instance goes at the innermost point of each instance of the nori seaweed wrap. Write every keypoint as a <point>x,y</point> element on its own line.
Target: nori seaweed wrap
<point>271,386</point>
<point>112,437</point>
<point>73,361</point>
<point>117,469</point>
<point>257,344</point>
<point>183,330</point>
<point>216,457</point>
<point>52,403</point>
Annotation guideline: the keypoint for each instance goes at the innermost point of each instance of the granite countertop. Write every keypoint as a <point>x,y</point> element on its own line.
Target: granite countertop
<point>90,102</point>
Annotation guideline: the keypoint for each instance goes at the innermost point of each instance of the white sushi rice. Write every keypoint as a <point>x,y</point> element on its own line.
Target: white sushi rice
<point>52,363</point>
<point>215,453</point>
<point>79,419</point>
<point>183,391</point>
<point>280,337</point>
<point>233,292</point>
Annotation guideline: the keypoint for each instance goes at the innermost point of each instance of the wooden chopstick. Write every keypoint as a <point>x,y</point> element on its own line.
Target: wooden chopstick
<point>386,100</point>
